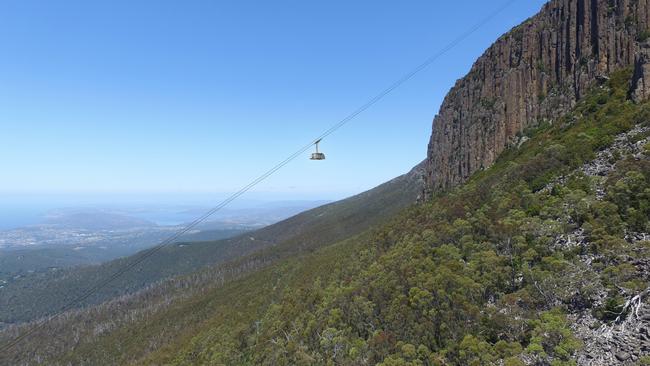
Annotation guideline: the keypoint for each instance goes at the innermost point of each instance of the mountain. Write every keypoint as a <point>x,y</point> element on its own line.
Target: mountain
<point>535,73</point>
<point>541,259</point>
<point>33,295</point>
<point>531,247</point>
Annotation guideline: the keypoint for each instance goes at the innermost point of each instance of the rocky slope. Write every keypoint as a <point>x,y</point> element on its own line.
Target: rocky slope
<point>627,339</point>
<point>535,73</point>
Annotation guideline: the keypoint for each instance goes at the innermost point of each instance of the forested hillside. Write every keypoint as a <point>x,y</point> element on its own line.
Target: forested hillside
<point>541,259</point>
<point>40,294</point>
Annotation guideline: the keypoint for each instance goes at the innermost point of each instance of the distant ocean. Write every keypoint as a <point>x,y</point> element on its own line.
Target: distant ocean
<point>19,210</point>
<point>12,217</point>
<point>25,210</point>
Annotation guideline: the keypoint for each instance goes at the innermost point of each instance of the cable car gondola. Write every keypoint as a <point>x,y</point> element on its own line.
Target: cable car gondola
<point>317,155</point>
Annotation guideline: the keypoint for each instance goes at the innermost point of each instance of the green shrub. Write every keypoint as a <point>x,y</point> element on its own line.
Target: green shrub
<point>643,36</point>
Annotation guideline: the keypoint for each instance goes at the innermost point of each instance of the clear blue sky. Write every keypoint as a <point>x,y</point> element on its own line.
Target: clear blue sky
<point>112,97</point>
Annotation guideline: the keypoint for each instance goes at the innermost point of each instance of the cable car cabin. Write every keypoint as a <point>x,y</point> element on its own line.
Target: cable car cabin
<point>317,155</point>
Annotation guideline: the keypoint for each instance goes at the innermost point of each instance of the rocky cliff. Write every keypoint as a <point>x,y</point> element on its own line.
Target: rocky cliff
<point>534,73</point>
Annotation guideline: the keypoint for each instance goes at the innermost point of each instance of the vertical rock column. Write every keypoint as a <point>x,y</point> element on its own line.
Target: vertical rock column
<point>640,88</point>
<point>536,72</point>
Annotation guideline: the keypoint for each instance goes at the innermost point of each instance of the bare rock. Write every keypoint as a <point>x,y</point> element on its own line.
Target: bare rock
<point>535,72</point>
<point>640,89</point>
<point>622,356</point>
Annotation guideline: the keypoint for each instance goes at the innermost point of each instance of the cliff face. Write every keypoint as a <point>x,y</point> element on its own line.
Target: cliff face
<point>535,72</point>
